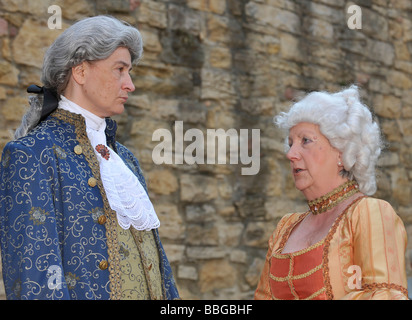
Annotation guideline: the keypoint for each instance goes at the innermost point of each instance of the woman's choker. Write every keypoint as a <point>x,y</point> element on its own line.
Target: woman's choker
<point>333,198</point>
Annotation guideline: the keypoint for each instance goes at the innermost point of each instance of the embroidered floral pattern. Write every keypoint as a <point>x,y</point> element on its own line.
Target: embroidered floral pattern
<point>96,213</point>
<point>103,150</point>
<point>124,251</point>
<point>71,280</point>
<point>38,216</point>
<point>59,152</point>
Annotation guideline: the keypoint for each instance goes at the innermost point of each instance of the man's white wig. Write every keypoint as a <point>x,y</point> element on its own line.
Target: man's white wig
<point>348,125</point>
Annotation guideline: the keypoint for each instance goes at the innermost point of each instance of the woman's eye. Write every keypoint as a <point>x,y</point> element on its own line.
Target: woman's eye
<point>306,140</point>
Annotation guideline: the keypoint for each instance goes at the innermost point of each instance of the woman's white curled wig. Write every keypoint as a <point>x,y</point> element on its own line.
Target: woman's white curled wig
<point>348,125</point>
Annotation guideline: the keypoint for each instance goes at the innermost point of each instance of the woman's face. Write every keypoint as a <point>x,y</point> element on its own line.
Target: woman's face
<point>106,83</point>
<point>314,162</point>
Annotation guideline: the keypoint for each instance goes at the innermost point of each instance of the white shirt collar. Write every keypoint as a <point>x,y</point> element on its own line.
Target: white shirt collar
<point>92,121</point>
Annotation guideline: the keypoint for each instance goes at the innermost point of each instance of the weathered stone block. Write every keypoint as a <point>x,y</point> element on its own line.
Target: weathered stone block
<point>215,6</point>
<point>257,234</point>
<point>9,74</point>
<point>220,57</point>
<point>32,41</point>
<point>273,17</point>
<point>197,188</point>
<point>14,108</point>
<point>78,9</point>
<point>199,213</point>
<point>204,234</point>
<point>153,13</point>
<point>182,48</point>
<point>187,272</point>
<point>291,48</point>
<point>216,85</point>
<point>186,20</point>
<point>387,106</point>
<point>216,274</point>
<point>172,226</point>
<point>205,253</point>
<point>252,275</point>
<point>162,182</point>
<point>4,27</point>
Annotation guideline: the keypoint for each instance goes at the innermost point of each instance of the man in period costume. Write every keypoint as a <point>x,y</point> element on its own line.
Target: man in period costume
<point>76,221</point>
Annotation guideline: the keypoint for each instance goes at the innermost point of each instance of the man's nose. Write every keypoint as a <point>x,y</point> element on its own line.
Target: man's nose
<point>128,84</point>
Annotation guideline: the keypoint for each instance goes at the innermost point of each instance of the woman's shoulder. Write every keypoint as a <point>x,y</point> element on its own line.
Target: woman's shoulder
<point>371,204</point>
<point>368,209</point>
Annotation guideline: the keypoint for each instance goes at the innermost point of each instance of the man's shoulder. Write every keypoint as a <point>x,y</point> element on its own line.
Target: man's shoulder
<point>47,133</point>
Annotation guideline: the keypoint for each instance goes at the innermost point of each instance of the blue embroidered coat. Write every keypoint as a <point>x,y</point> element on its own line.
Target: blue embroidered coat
<point>50,192</point>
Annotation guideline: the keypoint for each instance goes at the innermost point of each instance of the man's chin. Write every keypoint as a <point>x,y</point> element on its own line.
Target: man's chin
<point>117,110</point>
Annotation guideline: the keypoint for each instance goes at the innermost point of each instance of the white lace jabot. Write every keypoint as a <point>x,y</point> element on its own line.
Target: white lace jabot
<point>124,192</point>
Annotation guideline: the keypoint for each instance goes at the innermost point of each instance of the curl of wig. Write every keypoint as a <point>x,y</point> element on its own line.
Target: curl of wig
<point>30,118</point>
<point>348,125</point>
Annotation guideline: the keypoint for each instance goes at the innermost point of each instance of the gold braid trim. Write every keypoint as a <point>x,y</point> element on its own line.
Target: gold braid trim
<point>295,277</point>
<point>328,238</point>
<point>313,295</point>
<point>374,286</point>
<point>299,252</point>
<point>285,236</point>
<point>113,248</point>
<point>290,282</point>
<point>333,198</point>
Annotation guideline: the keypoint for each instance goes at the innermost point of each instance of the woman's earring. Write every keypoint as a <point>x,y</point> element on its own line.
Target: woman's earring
<point>339,164</point>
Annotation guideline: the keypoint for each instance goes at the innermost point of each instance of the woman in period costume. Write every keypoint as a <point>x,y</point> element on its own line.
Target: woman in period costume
<point>76,221</point>
<point>347,245</point>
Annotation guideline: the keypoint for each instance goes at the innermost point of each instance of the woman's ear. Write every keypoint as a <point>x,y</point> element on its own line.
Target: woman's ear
<point>339,161</point>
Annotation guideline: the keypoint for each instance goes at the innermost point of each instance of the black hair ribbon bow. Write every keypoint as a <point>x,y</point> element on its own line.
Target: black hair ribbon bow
<point>50,100</point>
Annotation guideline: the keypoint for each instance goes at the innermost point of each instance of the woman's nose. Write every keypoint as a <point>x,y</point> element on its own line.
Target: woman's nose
<point>293,153</point>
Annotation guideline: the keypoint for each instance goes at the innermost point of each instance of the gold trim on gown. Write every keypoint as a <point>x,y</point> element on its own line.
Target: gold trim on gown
<point>368,234</point>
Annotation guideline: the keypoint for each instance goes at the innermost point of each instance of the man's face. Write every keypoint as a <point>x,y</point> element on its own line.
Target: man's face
<point>107,84</point>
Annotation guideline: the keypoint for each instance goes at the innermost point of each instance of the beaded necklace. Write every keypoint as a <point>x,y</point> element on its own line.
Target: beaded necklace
<point>333,198</point>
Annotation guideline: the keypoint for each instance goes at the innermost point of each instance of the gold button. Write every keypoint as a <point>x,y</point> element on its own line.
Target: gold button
<point>103,265</point>
<point>92,182</point>
<point>78,149</point>
<point>102,219</point>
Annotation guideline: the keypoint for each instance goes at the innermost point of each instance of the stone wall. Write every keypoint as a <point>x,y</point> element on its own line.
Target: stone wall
<point>232,64</point>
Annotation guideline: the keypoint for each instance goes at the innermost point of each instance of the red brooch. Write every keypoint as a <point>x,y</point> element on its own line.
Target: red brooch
<point>104,152</point>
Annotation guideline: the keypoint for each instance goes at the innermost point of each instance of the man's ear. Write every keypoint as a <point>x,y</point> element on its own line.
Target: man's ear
<point>79,73</point>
